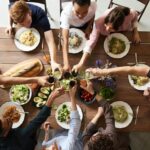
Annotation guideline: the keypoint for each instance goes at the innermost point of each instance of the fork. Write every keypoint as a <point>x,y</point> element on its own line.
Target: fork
<point>136,114</point>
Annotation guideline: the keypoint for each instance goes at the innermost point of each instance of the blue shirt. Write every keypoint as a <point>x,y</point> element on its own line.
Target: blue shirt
<point>68,140</point>
<point>24,138</point>
<point>39,17</point>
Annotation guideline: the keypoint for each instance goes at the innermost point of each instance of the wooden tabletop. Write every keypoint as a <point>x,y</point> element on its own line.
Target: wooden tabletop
<point>10,55</point>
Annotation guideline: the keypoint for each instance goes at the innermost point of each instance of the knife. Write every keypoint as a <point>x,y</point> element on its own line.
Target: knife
<point>136,114</point>
<point>130,42</point>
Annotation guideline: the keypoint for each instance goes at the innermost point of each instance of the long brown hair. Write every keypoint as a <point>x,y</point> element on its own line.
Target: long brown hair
<point>116,17</point>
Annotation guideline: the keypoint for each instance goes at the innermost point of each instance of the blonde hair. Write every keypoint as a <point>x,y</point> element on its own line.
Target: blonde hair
<point>18,11</point>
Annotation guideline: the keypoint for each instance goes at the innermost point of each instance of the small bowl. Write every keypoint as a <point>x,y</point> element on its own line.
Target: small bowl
<point>18,102</point>
<point>85,101</point>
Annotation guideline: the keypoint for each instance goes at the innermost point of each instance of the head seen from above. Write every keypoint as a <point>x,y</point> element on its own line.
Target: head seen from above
<point>5,126</point>
<point>21,14</point>
<point>100,141</point>
<point>116,18</point>
<point>81,7</point>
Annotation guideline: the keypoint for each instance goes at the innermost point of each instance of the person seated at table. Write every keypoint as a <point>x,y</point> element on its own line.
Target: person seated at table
<point>28,15</point>
<point>124,70</point>
<point>42,80</point>
<point>98,138</point>
<point>78,14</point>
<point>66,140</point>
<point>25,138</point>
<point>116,19</point>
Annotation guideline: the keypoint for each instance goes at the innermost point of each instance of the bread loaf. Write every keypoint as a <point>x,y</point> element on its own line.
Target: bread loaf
<point>27,68</point>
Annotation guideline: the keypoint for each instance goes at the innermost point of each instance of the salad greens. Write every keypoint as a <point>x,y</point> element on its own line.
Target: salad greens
<point>20,93</point>
<point>64,114</point>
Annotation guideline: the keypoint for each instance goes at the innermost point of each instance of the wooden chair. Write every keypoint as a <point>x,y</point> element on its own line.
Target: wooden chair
<point>138,5</point>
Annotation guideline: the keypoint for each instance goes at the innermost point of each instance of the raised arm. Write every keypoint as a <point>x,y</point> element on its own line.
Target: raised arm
<point>49,37</point>
<point>65,36</point>
<point>43,80</point>
<point>75,121</point>
<point>125,70</point>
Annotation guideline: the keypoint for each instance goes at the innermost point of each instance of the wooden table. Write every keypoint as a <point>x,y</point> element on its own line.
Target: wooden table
<point>10,55</point>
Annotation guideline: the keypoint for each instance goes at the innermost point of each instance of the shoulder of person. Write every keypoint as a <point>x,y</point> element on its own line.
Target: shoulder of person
<point>93,5</point>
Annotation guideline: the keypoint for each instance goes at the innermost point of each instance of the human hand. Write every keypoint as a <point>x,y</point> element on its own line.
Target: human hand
<point>97,71</point>
<point>136,37</point>
<point>77,67</point>
<point>43,81</point>
<point>66,68</point>
<point>46,126</point>
<point>146,93</point>
<point>9,30</point>
<point>72,91</point>
<point>87,32</point>
<point>88,87</point>
<point>56,66</point>
<point>56,93</point>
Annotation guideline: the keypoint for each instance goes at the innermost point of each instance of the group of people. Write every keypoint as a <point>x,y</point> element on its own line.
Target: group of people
<point>79,14</point>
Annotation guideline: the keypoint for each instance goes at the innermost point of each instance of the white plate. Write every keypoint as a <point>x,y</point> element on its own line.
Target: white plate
<point>30,95</point>
<point>22,46</point>
<point>80,34</point>
<point>130,114</point>
<point>63,124</point>
<point>141,88</point>
<point>121,37</point>
<point>19,108</point>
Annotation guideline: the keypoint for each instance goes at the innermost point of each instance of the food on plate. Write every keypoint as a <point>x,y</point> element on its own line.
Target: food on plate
<point>12,113</point>
<point>67,83</point>
<point>64,114</point>
<point>28,38</point>
<point>20,93</point>
<point>116,46</point>
<point>42,96</point>
<point>27,68</point>
<point>107,93</point>
<point>120,113</point>
<point>74,40</point>
<point>140,80</point>
<point>86,96</point>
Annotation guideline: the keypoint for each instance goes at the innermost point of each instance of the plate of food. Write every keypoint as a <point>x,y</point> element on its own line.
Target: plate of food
<point>27,39</point>
<point>139,82</point>
<point>77,40</point>
<point>116,45</point>
<point>123,114</point>
<point>14,111</point>
<point>20,94</point>
<point>42,96</point>
<point>62,114</point>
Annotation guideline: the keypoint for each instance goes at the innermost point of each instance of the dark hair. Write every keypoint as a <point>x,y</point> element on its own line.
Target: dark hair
<point>117,16</point>
<point>100,142</point>
<point>82,2</point>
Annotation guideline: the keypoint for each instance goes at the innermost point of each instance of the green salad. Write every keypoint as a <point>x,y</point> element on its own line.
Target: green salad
<point>64,114</point>
<point>20,93</point>
<point>120,113</point>
<point>116,46</point>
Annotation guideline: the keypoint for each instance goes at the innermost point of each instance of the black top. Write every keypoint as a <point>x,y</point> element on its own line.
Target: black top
<point>25,138</point>
<point>39,17</point>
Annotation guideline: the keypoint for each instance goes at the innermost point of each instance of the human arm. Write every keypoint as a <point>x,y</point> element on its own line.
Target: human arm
<point>75,121</point>
<point>49,37</point>
<point>90,44</point>
<point>42,80</point>
<point>65,37</point>
<point>125,70</point>
<point>136,36</point>
<point>43,114</point>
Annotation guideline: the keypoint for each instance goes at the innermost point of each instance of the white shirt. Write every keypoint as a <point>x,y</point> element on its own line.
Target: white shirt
<point>68,18</point>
